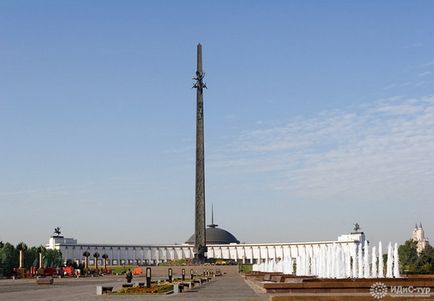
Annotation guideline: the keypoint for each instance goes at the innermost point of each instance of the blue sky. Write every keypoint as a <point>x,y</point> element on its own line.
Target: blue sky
<point>318,114</point>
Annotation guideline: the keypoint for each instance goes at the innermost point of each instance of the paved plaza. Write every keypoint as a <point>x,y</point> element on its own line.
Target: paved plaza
<point>231,286</point>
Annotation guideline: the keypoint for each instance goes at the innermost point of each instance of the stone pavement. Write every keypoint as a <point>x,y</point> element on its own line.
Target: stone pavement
<point>228,287</point>
<point>231,287</point>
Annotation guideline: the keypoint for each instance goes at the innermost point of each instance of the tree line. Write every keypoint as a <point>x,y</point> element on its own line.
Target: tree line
<point>9,257</point>
<point>412,262</point>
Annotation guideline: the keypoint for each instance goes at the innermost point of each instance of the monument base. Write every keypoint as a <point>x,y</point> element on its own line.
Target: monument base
<point>200,260</point>
<point>201,256</point>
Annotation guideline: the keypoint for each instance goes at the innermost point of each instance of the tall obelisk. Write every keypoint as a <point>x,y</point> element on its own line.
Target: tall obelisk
<point>200,248</point>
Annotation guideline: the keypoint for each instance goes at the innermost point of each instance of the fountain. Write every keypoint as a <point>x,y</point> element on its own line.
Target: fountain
<point>395,262</point>
<point>336,261</point>
<point>366,272</point>
<point>374,263</point>
<point>360,258</point>
<point>380,261</point>
<point>348,272</point>
<point>354,263</point>
<point>389,273</point>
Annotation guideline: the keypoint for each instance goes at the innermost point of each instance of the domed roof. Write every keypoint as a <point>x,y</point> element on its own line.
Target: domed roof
<point>216,236</point>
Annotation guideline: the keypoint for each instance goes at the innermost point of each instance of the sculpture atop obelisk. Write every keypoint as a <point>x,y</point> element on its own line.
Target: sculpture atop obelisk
<point>200,248</point>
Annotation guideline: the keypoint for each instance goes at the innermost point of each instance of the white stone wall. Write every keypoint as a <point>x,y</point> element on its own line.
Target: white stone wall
<point>253,253</point>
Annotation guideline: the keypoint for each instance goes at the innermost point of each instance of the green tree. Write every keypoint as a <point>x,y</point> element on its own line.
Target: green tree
<point>425,262</point>
<point>408,256</point>
<point>412,262</point>
<point>52,258</point>
<point>8,259</point>
<point>31,258</point>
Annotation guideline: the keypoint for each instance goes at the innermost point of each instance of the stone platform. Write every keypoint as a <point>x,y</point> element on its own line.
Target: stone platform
<point>229,286</point>
<point>288,287</point>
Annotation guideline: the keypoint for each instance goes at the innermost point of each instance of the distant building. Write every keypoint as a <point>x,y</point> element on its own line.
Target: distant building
<point>221,245</point>
<point>356,235</point>
<point>418,235</point>
<point>60,240</point>
<point>215,235</point>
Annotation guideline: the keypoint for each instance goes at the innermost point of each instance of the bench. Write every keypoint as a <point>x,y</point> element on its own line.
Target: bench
<point>197,281</point>
<point>189,284</point>
<point>44,281</point>
<point>276,278</point>
<point>181,287</point>
<point>127,285</point>
<point>293,280</point>
<point>103,289</point>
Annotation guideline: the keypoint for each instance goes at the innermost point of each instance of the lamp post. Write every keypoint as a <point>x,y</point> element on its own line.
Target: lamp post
<point>148,277</point>
<point>41,250</point>
<point>21,248</point>
<point>105,257</point>
<point>96,256</point>
<point>86,255</point>
<point>170,271</point>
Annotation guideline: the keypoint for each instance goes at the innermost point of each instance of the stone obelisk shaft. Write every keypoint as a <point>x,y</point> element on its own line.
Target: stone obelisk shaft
<point>200,234</point>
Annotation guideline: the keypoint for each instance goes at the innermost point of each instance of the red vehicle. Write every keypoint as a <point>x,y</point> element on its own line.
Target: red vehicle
<point>50,272</point>
<point>68,271</point>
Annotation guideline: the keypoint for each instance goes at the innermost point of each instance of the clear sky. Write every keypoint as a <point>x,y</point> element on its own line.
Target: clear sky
<point>318,114</point>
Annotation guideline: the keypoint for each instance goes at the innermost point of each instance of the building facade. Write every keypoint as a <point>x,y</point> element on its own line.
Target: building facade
<point>418,236</point>
<point>142,254</point>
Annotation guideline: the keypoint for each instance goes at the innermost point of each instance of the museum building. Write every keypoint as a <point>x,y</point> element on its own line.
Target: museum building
<point>221,245</point>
